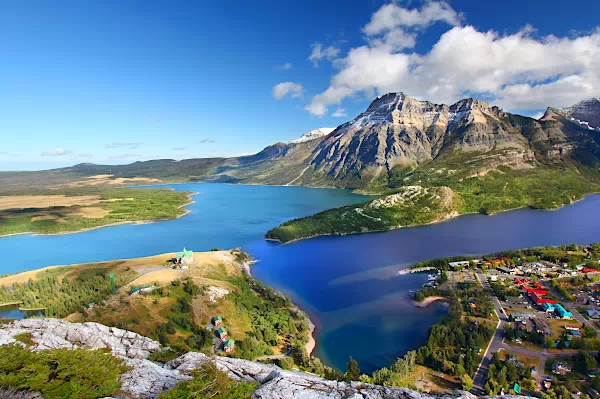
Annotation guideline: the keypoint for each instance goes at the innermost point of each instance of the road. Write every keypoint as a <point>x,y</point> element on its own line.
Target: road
<point>494,345</point>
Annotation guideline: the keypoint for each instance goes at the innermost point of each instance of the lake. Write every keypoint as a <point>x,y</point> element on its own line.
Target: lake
<point>349,285</point>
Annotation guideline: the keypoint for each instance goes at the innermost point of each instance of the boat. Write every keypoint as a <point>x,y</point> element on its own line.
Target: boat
<point>432,277</point>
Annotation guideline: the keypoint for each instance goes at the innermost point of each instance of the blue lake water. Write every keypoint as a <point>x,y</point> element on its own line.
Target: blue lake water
<point>222,216</point>
<point>349,285</point>
<point>13,312</point>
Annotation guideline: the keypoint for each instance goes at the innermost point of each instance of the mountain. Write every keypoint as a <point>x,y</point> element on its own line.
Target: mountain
<point>313,134</point>
<point>435,161</point>
<point>585,113</point>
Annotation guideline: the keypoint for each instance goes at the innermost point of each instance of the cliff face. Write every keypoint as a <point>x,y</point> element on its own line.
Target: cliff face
<point>148,379</point>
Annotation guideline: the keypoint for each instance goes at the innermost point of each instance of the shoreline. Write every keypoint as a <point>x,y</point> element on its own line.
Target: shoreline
<point>139,222</point>
<point>312,342</point>
<point>429,300</point>
<point>430,223</point>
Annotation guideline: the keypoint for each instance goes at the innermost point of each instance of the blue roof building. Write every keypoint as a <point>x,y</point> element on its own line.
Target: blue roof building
<point>548,307</point>
<point>562,312</point>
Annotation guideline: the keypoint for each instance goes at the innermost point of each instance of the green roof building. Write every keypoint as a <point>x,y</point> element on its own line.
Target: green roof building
<point>218,321</point>
<point>229,345</point>
<point>184,257</point>
<point>517,388</point>
<point>222,333</point>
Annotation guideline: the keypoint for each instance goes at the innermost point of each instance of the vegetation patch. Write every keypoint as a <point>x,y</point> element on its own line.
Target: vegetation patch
<point>210,382</point>
<point>61,373</point>
<point>54,214</point>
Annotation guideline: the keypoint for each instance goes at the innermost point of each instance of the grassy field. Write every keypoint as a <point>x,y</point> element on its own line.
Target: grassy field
<point>81,210</point>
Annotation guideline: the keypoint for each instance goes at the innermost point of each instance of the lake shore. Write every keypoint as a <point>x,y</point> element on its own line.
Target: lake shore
<point>132,222</point>
<point>429,300</point>
<point>447,218</point>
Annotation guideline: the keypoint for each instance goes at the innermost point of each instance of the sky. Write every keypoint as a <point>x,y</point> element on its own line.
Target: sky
<point>119,81</point>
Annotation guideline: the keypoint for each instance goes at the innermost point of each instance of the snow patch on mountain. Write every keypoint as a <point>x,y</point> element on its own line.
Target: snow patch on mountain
<point>313,134</point>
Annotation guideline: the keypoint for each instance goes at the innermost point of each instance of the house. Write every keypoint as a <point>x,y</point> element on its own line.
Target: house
<point>222,333</point>
<point>593,393</point>
<point>218,321</point>
<point>571,328</point>
<point>184,257</point>
<point>593,313</point>
<point>229,345</point>
<point>576,334</point>
<point>562,312</point>
<point>560,368</point>
<point>505,270</point>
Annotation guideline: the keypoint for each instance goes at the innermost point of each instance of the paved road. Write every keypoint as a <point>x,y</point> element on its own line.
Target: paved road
<point>494,345</point>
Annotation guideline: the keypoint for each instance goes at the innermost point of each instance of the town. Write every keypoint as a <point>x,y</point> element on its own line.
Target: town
<point>547,306</point>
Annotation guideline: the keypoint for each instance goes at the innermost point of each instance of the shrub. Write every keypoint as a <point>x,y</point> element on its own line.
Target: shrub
<point>210,382</point>
<point>61,373</point>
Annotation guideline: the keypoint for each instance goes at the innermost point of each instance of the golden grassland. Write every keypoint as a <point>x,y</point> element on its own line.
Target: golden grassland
<point>143,313</point>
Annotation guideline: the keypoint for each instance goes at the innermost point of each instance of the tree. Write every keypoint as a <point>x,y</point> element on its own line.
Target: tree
<point>353,371</point>
<point>467,382</point>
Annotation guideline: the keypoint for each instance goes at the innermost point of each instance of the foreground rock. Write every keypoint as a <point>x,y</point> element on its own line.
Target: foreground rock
<point>147,379</point>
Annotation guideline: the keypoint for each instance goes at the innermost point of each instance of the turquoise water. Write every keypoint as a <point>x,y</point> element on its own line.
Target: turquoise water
<point>222,216</point>
<point>349,285</point>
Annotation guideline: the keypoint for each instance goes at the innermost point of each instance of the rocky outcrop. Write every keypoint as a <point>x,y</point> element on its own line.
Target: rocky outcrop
<point>147,379</point>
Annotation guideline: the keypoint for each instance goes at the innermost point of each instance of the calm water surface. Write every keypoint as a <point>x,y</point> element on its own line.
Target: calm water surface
<point>349,285</point>
<point>351,288</point>
<point>222,216</point>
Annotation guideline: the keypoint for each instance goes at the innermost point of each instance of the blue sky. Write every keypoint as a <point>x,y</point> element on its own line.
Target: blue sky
<point>120,81</point>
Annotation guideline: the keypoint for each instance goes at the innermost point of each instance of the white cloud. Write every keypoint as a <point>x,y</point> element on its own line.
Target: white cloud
<point>340,112</point>
<point>122,144</point>
<point>58,152</point>
<point>515,71</point>
<point>538,115</point>
<point>392,16</point>
<point>126,155</point>
<point>283,89</point>
<point>285,66</point>
<point>318,53</point>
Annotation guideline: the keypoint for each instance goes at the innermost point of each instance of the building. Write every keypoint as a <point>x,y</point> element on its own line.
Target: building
<point>184,257</point>
<point>516,388</point>
<point>540,300</point>
<point>562,312</point>
<point>506,270</point>
<point>218,321</point>
<point>222,333</point>
<point>229,345</point>
<point>459,264</point>
<point>593,313</point>
<point>548,307</point>
<point>560,368</point>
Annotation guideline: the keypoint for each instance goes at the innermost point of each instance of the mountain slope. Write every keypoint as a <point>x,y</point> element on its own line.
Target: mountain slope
<point>491,161</point>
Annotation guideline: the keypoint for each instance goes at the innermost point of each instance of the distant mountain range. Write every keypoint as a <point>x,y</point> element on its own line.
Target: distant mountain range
<point>395,135</point>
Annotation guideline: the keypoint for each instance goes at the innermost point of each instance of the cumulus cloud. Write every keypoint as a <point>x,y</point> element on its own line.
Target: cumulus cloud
<point>121,144</point>
<point>340,112</point>
<point>285,67</point>
<point>319,53</point>
<point>283,89</point>
<point>57,152</point>
<point>515,71</point>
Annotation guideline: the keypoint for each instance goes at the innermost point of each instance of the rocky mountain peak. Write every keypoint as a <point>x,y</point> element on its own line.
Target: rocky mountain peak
<point>586,113</point>
<point>314,134</point>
